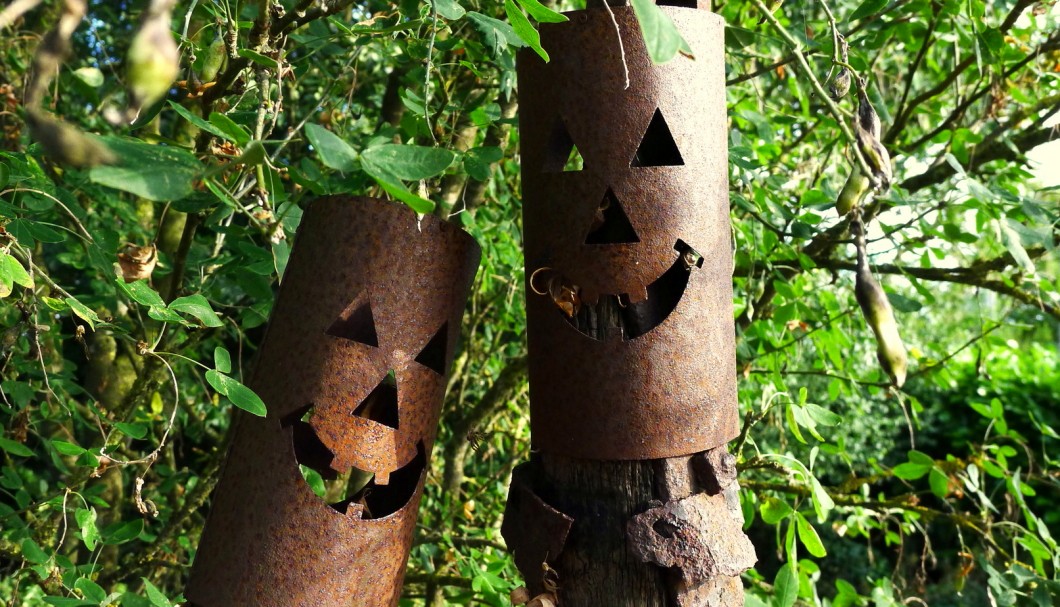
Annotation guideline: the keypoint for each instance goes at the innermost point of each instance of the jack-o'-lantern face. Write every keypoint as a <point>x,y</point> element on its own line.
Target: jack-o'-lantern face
<point>607,233</point>
<point>365,440</point>
<point>317,503</point>
<point>627,240</point>
<point>372,337</point>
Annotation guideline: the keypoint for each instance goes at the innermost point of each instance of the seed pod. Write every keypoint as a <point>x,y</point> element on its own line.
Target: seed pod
<point>875,155</point>
<point>153,61</point>
<point>890,351</point>
<point>840,85</point>
<point>868,119</point>
<point>214,59</point>
<point>66,144</point>
<point>853,191</point>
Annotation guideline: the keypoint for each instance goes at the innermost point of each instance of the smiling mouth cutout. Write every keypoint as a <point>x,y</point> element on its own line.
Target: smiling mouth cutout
<point>615,316</point>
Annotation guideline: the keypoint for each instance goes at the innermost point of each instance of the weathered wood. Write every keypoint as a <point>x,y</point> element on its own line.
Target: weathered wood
<point>596,566</point>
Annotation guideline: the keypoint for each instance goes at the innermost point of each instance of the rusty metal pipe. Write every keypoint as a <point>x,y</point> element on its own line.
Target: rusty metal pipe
<point>629,498</point>
<point>353,372</point>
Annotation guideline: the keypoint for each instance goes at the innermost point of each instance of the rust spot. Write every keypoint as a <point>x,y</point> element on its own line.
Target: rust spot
<point>697,535</point>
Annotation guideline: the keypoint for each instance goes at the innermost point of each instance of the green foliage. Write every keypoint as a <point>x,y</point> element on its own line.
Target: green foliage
<point>117,395</point>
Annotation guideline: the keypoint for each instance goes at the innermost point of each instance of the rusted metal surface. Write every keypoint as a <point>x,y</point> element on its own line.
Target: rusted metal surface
<point>698,535</point>
<point>651,196</point>
<point>370,292</point>
<point>534,531</point>
<point>715,469</point>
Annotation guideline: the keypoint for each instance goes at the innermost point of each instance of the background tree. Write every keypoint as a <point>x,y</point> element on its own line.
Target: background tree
<point>117,395</point>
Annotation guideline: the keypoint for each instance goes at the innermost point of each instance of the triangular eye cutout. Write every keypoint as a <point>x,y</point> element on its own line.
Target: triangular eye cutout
<point>433,354</point>
<point>610,224</point>
<point>657,148</point>
<point>561,155</point>
<point>381,405</point>
<point>356,322</point>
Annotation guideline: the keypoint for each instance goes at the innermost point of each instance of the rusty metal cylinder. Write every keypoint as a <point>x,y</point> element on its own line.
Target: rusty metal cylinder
<point>625,199</point>
<point>353,371</point>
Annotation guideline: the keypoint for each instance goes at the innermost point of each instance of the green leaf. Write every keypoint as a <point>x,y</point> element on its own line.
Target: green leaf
<point>66,448</point>
<point>498,35</point>
<point>91,590</point>
<point>822,416</point>
<point>1011,238</point>
<point>258,58</point>
<point>414,202</point>
<point>774,510</point>
<point>786,585</point>
<point>83,312</point>
<point>407,162</point>
<point>314,480</point>
<point>15,448</point>
<point>86,522</point>
<point>808,536</point>
<point>449,9</point>
<point>542,13</point>
<point>240,395</point>
<point>524,29</point>
<point>155,595</point>
<point>141,292</point>
<point>62,601</point>
<point>33,553</point>
<point>233,131</point>
<point>91,76</point>
<point>123,531</point>
<point>477,161</point>
<point>165,315</point>
<point>660,34</point>
<point>334,152</point>
<point>222,360</point>
<point>910,471</point>
<point>152,171</point>
<point>11,271</point>
<point>195,120</point>
<point>868,7</point>
<point>197,306</point>
<point>940,483</point>
<point>134,430</point>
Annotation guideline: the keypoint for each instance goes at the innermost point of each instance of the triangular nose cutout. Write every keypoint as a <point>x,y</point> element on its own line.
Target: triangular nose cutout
<point>356,322</point>
<point>610,225</point>
<point>657,148</point>
<point>381,405</point>
<point>561,155</point>
<point>433,354</point>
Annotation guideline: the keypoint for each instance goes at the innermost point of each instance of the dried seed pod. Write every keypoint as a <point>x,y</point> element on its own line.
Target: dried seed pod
<point>137,263</point>
<point>65,144</point>
<point>867,131</point>
<point>890,351</point>
<point>546,599</point>
<point>519,596</point>
<point>153,61</point>
<point>868,119</point>
<point>852,193</point>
